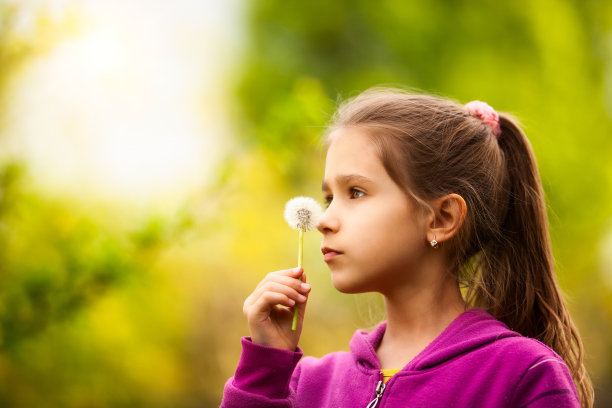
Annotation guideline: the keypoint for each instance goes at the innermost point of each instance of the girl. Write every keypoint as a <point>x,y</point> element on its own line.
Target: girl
<point>438,207</point>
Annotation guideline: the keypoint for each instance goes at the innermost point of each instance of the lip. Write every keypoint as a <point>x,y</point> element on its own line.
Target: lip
<point>330,253</point>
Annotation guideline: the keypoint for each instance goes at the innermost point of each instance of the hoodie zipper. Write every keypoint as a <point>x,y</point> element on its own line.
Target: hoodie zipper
<point>380,388</point>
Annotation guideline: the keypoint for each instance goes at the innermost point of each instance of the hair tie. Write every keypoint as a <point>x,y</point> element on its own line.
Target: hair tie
<point>486,113</point>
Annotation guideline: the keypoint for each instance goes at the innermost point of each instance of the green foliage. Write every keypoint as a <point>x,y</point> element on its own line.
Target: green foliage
<point>74,279</point>
<point>54,263</point>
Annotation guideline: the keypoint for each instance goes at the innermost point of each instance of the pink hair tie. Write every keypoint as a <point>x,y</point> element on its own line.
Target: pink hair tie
<point>486,113</point>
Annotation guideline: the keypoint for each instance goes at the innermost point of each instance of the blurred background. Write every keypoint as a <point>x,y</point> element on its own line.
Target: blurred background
<point>147,149</point>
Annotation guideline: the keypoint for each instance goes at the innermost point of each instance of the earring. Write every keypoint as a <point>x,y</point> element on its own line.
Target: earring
<point>434,243</point>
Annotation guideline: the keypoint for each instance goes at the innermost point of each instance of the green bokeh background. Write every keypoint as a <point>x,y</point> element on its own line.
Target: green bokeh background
<point>100,307</point>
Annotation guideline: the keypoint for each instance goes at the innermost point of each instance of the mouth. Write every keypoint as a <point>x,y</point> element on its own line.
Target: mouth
<point>330,253</point>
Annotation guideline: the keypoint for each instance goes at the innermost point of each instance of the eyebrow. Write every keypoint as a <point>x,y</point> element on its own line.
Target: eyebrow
<point>348,179</point>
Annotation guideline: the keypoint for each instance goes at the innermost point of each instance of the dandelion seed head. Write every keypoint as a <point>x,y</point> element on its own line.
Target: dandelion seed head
<point>303,213</point>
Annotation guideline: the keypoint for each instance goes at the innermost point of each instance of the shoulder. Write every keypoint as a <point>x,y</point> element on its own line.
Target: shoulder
<point>522,354</point>
<point>478,330</point>
<point>545,379</point>
<point>526,349</point>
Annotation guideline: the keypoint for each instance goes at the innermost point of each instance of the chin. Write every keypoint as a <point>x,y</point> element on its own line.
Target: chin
<point>347,286</point>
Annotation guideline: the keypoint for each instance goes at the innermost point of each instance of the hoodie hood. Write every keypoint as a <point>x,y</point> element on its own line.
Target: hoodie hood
<point>472,329</point>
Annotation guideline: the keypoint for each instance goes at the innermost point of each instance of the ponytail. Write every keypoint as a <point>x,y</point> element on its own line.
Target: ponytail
<point>516,281</point>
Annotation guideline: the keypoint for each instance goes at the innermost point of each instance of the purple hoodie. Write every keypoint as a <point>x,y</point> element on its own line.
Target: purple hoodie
<point>475,362</point>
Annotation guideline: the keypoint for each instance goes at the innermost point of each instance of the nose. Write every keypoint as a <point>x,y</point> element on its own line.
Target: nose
<point>329,221</point>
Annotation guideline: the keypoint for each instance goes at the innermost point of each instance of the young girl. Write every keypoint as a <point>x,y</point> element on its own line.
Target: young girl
<point>438,207</point>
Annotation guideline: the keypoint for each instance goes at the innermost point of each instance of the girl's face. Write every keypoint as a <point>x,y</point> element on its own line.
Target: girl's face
<point>373,236</point>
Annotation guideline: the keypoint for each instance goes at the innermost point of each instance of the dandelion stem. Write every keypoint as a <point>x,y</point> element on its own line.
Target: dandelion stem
<point>300,265</point>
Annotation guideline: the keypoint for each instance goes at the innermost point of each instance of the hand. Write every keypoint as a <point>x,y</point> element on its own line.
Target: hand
<point>269,309</point>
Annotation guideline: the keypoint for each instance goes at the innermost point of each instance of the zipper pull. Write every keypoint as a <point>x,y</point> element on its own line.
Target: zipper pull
<point>380,388</point>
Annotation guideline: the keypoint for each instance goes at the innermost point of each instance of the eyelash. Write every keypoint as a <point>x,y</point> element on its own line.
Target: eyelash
<point>352,191</point>
<point>356,190</point>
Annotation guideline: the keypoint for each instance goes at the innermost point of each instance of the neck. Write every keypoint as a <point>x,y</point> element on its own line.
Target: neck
<point>416,315</point>
<point>422,313</point>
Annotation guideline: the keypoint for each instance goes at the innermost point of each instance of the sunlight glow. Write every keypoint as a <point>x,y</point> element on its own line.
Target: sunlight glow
<point>130,107</point>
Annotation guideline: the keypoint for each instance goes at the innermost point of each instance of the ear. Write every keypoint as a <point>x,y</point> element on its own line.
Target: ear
<point>448,216</point>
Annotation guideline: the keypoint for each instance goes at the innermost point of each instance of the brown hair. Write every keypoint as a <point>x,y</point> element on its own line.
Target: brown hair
<point>502,254</point>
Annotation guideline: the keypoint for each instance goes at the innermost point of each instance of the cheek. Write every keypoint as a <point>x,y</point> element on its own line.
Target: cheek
<point>395,239</point>
<point>393,227</point>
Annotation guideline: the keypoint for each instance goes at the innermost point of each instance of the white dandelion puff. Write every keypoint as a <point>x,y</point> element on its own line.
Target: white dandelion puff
<point>303,213</point>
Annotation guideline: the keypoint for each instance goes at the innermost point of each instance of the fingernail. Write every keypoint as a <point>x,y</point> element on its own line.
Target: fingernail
<point>305,286</point>
<point>296,269</point>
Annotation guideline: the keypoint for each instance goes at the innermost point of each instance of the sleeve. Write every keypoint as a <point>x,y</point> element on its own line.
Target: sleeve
<point>262,378</point>
<point>547,383</point>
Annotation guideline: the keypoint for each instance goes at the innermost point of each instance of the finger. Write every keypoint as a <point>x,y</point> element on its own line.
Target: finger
<point>280,288</point>
<point>288,281</point>
<point>251,298</point>
<point>262,307</point>
<point>283,276</point>
<point>289,277</point>
<point>247,304</point>
<point>293,273</point>
<point>303,286</point>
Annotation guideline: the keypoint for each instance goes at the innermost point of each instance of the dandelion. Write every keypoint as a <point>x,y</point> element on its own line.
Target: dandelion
<point>302,214</point>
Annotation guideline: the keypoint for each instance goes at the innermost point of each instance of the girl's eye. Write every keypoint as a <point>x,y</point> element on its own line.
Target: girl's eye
<point>355,193</point>
<point>327,200</point>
